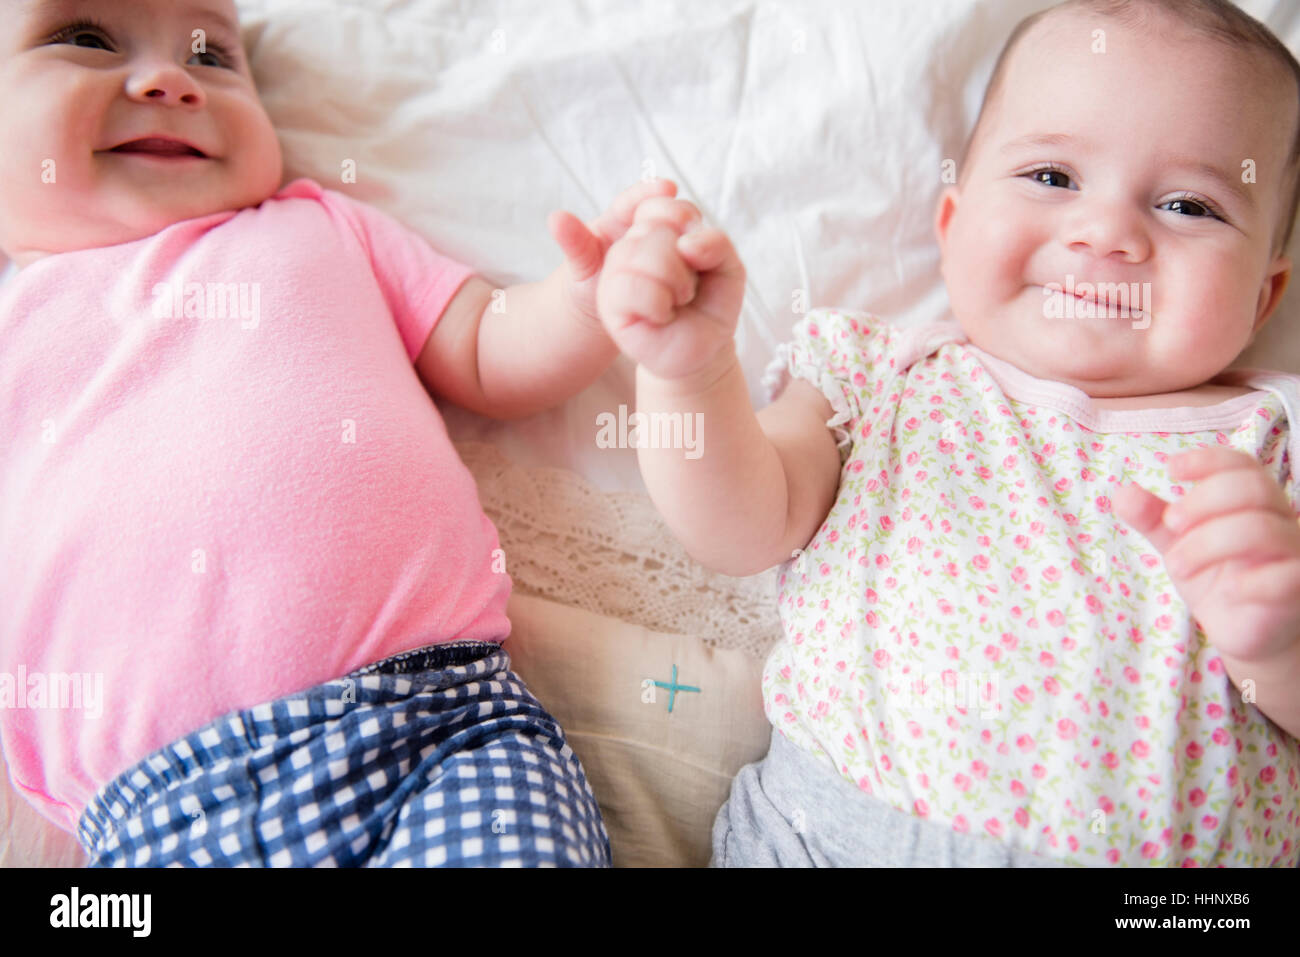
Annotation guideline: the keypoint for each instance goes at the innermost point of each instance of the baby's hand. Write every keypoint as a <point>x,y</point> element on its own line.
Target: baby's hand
<point>670,297</point>
<point>585,244</point>
<point>1232,548</point>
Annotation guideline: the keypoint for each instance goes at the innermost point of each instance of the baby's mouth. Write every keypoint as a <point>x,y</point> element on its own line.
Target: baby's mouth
<point>1099,299</point>
<point>159,146</point>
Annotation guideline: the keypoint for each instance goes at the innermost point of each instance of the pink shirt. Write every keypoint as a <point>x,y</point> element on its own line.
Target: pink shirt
<point>204,511</point>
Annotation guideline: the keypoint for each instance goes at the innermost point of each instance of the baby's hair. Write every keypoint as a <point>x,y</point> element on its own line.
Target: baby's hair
<point>1218,20</point>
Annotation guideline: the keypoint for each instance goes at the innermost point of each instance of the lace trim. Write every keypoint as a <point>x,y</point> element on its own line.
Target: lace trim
<point>612,554</point>
<point>777,374</point>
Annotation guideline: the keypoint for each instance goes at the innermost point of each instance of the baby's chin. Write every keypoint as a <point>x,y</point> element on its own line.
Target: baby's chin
<point>1085,357</point>
<point>103,220</point>
<point>128,218</point>
<point>25,246</point>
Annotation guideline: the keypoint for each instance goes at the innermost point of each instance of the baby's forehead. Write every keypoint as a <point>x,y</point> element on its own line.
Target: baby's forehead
<point>1074,55</point>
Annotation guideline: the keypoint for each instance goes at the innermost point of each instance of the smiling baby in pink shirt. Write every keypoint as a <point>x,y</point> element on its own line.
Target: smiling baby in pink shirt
<point>225,490</point>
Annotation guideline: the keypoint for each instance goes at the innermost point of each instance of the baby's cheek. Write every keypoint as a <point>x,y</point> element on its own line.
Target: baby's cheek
<point>27,203</point>
<point>1204,309</point>
<point>258,168</point>
<point>986,262</point>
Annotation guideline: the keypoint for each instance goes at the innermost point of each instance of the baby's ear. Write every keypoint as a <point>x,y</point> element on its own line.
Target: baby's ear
<point>1270,294</point>
<point>948,201</point>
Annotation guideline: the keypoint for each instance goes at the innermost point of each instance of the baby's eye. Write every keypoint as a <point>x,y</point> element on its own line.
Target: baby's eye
<point>1050,176</point>
<point>83,34</point>
<point>216,59</point>
<point>1187,206</point>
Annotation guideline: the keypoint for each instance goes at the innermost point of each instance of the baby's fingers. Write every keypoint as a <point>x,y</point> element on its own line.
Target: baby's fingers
<point>706,250</point>
<point>614,222</point>
<point>1249,536</point>
<point>721,273</point>
<point>652,251</point>
<point>1267,582</point>
<point>1141,509</point>
<point>581,248</point>
<point>626,297</point>
<point>681,214</point>
<point>1230,489</point>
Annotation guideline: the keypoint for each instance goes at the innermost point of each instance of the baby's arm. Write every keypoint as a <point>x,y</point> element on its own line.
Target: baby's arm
<point>508,353</point>
<point>762,484</point>
<point>532,354</point>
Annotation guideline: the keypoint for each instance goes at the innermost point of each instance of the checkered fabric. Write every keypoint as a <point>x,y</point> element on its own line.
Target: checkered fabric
<point>434,757</point>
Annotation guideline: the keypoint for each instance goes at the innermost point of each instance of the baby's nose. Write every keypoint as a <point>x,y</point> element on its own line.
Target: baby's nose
<point>1105,230</point>
<point>165,84</point>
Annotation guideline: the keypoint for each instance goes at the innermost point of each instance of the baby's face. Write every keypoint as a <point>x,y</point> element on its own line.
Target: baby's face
<point>1123,166</point>
<point>80,78</point>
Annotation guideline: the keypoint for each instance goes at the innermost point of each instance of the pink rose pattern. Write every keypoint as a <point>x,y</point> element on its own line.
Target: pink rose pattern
<point>972,535</point>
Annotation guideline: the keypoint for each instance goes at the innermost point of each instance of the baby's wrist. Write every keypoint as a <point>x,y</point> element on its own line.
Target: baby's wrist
<point>569,300</point>
<point>698,382</point>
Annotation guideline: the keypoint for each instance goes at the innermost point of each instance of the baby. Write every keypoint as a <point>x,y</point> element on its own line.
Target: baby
<point>1003,644</point>
<point>226,498</point>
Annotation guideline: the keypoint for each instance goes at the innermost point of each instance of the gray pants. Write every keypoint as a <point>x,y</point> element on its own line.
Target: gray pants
<point>791,810</point>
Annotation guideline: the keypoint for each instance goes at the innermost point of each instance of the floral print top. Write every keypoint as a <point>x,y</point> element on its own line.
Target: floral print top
<point>975,638</point>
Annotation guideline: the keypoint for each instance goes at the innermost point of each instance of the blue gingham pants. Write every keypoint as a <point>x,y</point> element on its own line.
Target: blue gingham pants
<point>438,756</point>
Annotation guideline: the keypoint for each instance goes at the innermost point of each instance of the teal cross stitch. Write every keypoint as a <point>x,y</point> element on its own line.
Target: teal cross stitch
<point>673,688</point>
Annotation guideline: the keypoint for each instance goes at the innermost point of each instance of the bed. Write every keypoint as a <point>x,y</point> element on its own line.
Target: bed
<point>815,134</point>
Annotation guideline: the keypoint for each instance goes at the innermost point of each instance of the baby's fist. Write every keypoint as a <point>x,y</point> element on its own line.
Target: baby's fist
<point>670,295</point>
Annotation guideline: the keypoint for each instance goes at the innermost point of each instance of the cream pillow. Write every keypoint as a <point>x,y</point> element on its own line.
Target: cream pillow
<point>659,776</point>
